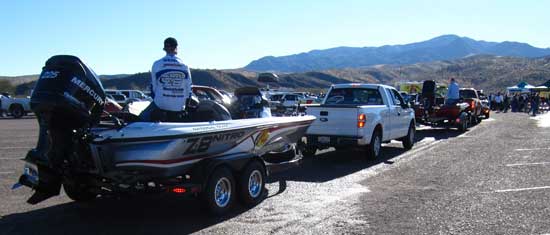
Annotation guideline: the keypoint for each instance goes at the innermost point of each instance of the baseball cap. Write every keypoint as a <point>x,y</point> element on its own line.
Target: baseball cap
<point>170,42</point>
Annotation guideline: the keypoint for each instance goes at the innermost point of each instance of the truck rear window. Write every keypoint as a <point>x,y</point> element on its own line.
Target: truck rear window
<point>354,96</point>
<point>467,94</point>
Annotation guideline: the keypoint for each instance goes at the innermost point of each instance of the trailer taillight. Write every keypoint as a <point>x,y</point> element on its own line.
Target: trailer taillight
<point>179,190</point>
<point>361,119</point>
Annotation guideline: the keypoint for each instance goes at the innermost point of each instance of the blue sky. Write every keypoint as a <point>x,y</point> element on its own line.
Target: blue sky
<point>126,36</point>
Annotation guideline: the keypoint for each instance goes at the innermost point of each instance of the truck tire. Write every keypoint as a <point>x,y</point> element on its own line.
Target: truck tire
<point>17,111</point>
<point>78,192</point>
<point>252,184</point>
<point>373,149</point>
<point>218,196</point>
<point>408,141</point>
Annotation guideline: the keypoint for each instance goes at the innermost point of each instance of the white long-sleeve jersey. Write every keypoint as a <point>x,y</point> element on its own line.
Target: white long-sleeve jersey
<point>171,83</point>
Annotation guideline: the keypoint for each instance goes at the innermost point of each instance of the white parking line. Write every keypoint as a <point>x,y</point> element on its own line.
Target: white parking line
<point>528,164</point>
<point>10,158</point>
<point>1,148</point>
<point>532,149</point>
<point>521,189</point>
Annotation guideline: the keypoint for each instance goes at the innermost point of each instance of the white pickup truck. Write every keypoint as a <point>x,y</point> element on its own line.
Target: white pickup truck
<point>360,115</point>
<point>15,107</point>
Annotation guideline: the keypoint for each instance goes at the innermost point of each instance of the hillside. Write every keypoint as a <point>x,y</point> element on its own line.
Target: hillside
<point>486,72</point>
<point>446,47</point>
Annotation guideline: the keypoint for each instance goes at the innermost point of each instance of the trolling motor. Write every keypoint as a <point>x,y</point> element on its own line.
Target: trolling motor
<point>68,99</point>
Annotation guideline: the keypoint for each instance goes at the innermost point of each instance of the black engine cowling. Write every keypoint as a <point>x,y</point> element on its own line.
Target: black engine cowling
<point>69,91</point>
<point>68,96</point>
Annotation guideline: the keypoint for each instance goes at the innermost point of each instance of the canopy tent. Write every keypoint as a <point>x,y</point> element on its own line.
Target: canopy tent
<point>546,84</point>
<point>520,87</point>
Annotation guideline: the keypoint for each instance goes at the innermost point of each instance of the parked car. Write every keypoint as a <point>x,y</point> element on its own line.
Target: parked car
<point>130,94</point>
<point>120,99</point>
<point>14,107</point>
<point>362,116</point>
<point>210,93</point>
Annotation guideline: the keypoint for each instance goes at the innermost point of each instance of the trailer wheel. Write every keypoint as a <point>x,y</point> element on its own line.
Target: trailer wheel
<point>463,125</point>
<point>17,111</point>
<point>408,141</point>
<point>373,149</point>
<point>218,196</point>
<point>252,184</point>
<point>78,192</point>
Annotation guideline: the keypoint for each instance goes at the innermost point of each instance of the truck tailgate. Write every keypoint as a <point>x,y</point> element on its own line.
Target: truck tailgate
<point>341,121</point>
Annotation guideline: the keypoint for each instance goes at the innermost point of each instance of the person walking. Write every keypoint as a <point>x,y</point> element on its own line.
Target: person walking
<point>498,102</point>
<point>506,103</point>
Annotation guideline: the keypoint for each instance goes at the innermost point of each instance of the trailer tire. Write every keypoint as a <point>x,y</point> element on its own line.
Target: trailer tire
<point>252,184</point>
<point>78,192</point>
<point>463,125</point>
<point>218,196</point>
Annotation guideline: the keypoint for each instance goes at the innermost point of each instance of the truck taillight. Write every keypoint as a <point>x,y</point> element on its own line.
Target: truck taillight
<point>361,119</point>
<point>473,104</point>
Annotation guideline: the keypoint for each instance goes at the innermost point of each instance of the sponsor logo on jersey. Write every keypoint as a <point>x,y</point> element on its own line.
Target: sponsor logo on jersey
<point>172,79</point>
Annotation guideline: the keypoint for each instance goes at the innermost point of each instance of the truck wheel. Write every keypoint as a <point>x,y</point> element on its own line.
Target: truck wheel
<point>17,111</point>
<point>373,149</point>
<point>408,141</point>
<point>218,196</point>
<point>252,184</point>
<point>78,192</point>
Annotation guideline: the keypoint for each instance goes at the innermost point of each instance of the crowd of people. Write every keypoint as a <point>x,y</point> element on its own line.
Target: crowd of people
<point>530,103</point>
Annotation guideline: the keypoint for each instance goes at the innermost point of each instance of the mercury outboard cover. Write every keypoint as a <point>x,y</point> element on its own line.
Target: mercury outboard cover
<point>68,97</point>
<point>428,94</point>
<point>68,90</point>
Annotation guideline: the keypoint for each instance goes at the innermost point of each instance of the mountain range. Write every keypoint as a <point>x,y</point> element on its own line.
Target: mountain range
<point>446,47</point>
<point>487,72</point>
<point>484,65</point>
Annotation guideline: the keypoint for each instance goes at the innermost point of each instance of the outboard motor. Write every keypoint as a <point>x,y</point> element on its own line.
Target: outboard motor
<point>68,98</point>
<point>428,94</point>
<point>250,104</point>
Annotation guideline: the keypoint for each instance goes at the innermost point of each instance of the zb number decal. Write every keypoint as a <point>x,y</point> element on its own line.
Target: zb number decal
<point>198,145</point>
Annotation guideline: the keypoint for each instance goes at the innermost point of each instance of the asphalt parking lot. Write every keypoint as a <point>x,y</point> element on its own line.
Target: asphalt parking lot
<point>494,179</point>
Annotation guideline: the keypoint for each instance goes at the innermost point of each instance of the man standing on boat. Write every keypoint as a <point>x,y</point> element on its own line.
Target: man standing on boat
<point>453,94</point>
<point>170,86</point>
